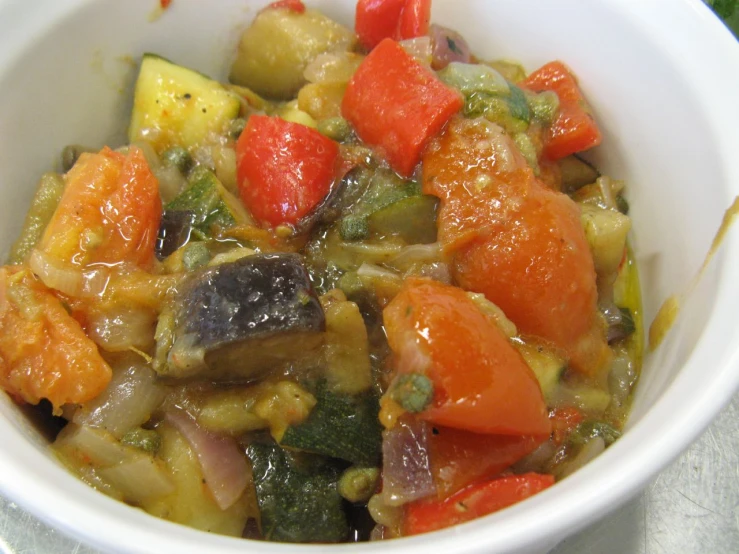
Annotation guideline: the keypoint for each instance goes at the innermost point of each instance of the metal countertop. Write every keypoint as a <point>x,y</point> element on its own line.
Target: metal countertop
<point>692,507</point>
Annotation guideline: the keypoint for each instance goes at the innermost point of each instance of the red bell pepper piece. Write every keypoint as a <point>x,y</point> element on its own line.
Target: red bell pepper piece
<point>296,6</point>
<point>397,19</point>
<point>284,169</point>
<point>478,500</point>
<point>377,20</point>
<point>574,130</point>
<point>396,105</point>
<point>414,20</point>
<point>481,383</point>
<point>460,458</point>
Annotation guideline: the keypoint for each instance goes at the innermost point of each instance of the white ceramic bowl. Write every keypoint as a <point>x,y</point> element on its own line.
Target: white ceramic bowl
<point>662,77</point>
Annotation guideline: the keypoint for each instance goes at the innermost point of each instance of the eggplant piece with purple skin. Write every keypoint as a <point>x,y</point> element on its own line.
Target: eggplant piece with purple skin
<point>238,321</point>
<point>174,232</point>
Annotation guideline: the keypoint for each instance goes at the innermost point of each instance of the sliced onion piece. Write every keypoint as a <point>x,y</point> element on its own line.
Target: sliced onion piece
<point>372,271</point>
<point>139,480</point>
<point>415,254</point>
<point>406,463</point>
<point>129,400</point>
<point>69,280</point>
<point>122,329</point>
<point>223,464</point>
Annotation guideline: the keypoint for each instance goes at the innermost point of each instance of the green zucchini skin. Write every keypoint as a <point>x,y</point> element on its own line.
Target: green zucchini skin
<point>298,502</point>
<point>213,207</point>
<point>340,426</point>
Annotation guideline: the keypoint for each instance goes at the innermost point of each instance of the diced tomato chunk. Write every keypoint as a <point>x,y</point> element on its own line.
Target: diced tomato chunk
<point>109,213</point>
<point>481,383</point>
<point>284,169</point>
<point>396,105</point>
<point>516,241</point>
<point>44,353</point>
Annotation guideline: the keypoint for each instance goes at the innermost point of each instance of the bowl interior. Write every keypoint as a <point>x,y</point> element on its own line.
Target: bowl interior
<point>66,75</point>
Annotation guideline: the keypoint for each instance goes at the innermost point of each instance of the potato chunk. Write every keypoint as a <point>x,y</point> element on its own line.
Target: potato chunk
<point>275,50</point>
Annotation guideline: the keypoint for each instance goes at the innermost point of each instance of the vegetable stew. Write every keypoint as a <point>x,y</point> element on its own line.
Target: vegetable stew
<point>369,287</point>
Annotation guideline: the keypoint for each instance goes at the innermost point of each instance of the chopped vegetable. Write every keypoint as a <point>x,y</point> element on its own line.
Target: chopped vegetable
<point>478,500</point>
<point>414,19</point>
<point>469,78</point>
<point>438,330</point>
<point>144,439</point>
<point>348,368</point>
<point>175,229</point>
<point>377,20</point>
<point>397,19</point>
<point>574,130</point>
<point>192,502</point>
<point>284,169</point>
<point>121,471</point>
<point>504,221</point>
<point>175,106</point>
<point>214,208</point>
<point>460,458</point>
<point>223,465</point>
<point>126,403</point>
<point>340,426</point>
<point>606,232</point>
<point>396,105</point>
<point>406,468</point>
<point>412,219</point>
<point>546,364</point>
<point>45,201</point>
<point>298,498</point>
<point>227,335</point>
<point>109,212</point>
<point>277,47</point>
<point>43,351</point>
<point>576,173</point>
<point>321,100</point>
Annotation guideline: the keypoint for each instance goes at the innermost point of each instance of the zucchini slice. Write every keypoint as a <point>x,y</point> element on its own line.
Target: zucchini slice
<point>212,206</point>
<point>340,426</point>
<point>298,498</point>
<point>174,105</point>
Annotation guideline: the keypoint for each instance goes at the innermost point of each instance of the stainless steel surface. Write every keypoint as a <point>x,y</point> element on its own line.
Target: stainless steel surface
<point>691,508</point>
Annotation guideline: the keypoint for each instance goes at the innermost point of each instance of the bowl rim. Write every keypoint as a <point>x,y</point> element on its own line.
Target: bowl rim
<point>44,488</point>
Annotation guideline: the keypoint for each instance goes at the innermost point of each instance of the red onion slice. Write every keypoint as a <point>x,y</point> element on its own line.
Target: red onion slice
<point>406,463</point>
<point>223,464</point>
<point>447,46</point>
